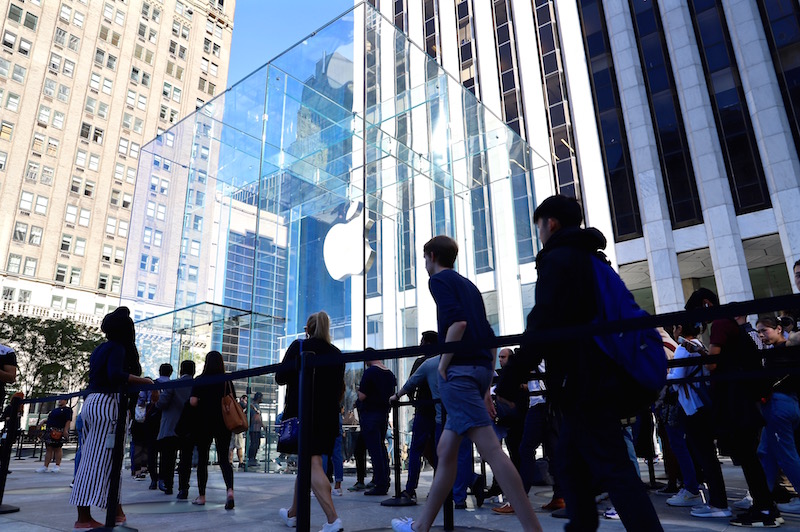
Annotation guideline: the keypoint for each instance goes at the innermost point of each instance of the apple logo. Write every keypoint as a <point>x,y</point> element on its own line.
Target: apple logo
<point>342,249</point>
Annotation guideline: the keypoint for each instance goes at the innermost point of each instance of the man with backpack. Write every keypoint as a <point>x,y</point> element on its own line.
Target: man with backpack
<point>583,382</point>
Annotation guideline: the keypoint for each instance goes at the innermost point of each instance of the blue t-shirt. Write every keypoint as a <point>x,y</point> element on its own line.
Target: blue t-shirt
<point>58,417</point>
<point>457,299</point>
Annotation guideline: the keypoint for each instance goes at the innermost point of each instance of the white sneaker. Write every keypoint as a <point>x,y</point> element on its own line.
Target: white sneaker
<point>745,503</point>
<point>56,469</point>
<point>42,469</point>
<point>791,507</point>
<point>403,524</point>
<point>336,526</point>
<point>685,498</point>
<point>706,510</point>
<point>290,521</point>
<point>336,492</point>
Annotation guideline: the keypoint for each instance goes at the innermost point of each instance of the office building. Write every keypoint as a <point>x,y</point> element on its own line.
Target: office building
<point>675,123</point>
<point>84,84</point>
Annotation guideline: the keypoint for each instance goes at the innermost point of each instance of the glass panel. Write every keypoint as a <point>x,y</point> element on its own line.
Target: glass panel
<point>283,192</point>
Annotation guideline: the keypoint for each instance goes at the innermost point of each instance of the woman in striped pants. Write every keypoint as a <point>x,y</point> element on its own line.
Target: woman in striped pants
<point>112,366</point>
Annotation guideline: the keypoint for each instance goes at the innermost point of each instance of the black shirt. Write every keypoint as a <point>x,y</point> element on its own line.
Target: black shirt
<point>7,358</point>
<point>58,417</point>
<point>378,385</point>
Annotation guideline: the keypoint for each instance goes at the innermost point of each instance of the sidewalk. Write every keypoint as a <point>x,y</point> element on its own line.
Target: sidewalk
<point>43,502</point>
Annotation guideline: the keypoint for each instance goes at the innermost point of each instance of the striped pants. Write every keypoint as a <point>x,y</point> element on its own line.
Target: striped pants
<point>93,478</point>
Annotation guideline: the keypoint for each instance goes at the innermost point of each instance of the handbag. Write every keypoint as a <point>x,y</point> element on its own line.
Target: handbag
<point>288,432</point>
<point>232,413</point>
<point>56,435</point>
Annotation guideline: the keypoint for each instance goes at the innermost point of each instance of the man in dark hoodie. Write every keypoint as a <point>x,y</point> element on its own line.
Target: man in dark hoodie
<point>581,380</point>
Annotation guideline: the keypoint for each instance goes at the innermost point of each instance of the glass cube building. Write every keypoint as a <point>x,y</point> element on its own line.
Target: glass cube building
<point>313,184</point>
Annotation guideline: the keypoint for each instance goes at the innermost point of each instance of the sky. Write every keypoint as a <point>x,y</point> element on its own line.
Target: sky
<point>262,29</point>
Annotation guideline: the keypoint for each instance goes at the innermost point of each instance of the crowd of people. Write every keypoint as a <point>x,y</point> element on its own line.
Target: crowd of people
<point>563,394</point>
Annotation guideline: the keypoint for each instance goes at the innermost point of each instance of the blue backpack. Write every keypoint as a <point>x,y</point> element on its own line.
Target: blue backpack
<point>640,353</point>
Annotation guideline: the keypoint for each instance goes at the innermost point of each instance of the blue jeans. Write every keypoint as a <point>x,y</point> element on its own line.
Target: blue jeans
<point>373,428</point>
<point>465,475</point>
<point>777,449</point>
<point>538,431</point>
<point>593,455</point>
<point>680,448</point>
<point>338,460</point>
<point>422,432</point>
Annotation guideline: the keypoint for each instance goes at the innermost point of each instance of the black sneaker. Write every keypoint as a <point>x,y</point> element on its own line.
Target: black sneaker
<point>183,494</point>
<point>756,519</point>
<point>479,490</point>
<point>460,505</point>
<point>410,495</point>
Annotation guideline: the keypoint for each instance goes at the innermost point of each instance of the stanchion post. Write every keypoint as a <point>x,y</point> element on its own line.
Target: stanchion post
<point>304,445</point>
<point>397,500</point>
<point>20,437</point>
<point>5,454</point>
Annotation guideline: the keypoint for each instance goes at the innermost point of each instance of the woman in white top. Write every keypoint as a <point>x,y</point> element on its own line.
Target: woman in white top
<point>696,404</point>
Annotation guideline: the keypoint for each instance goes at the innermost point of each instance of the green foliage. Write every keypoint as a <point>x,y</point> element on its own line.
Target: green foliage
<point>52,355</point>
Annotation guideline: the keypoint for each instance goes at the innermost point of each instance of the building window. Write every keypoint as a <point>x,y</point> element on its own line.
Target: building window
<point>610,125</point>
<point>61,273</point>
<point>14,263</point>
<point>676,166</point>
<point>737,140</point>
<point>75,276</point>
<point>30,267</point>
<point>36,235</point>
<point>20,232</point>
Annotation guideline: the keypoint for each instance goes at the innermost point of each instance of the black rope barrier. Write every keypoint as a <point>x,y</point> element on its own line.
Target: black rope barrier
<point>306,364</point>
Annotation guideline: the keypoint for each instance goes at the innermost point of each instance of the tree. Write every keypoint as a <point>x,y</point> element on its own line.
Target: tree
<point>52,355</point>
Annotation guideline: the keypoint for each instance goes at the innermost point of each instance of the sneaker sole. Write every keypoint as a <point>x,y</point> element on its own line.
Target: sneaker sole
<point>757,525</point>
<point>687,504</point>
<point>715,515</point>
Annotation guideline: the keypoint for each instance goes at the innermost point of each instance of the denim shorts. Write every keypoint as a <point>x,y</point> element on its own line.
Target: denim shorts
<point>462,396</point>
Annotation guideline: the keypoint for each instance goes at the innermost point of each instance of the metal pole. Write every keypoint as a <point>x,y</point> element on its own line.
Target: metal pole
<point>112,502</point>
<point>5,453</point>
<point>304,445</point>
<point>397,500</point>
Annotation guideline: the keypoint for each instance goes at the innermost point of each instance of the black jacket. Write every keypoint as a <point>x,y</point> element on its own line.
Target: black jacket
<point>578,374</point>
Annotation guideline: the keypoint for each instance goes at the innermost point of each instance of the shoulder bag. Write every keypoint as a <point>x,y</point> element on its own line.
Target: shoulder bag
<point>232,413</point>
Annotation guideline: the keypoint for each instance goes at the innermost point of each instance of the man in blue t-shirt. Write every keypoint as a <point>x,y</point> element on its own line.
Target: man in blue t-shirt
<point>55,434</point>
<point>465,376</point>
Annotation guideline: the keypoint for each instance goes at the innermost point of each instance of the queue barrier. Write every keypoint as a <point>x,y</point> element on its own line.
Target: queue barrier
<point>307,363</point>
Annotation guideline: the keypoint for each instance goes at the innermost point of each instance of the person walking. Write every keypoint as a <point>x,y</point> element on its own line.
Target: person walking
<point>207,398</point>
<point>112,366</point>
<point>171,402</point>
<point>328,390</point>
<point>464,379</point>
<point>583,384</point>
